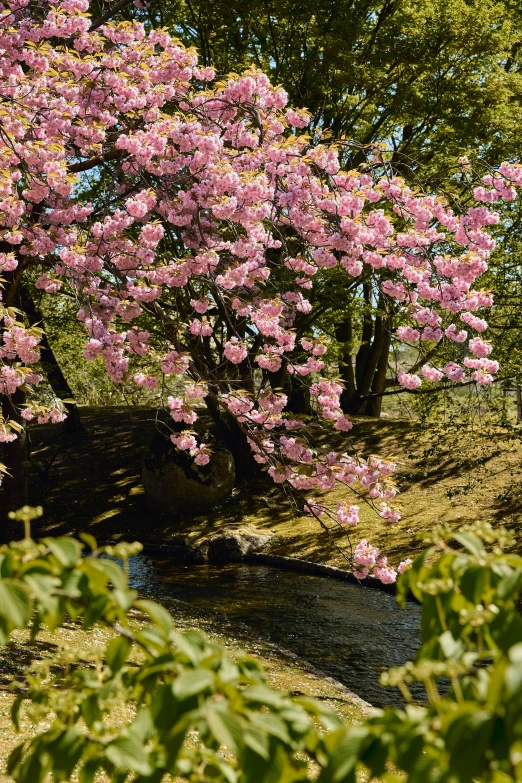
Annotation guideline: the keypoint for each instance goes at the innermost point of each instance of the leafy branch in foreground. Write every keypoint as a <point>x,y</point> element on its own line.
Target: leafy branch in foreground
<point>471,647</point>
<point>192,713</point>
<point>186,699</point>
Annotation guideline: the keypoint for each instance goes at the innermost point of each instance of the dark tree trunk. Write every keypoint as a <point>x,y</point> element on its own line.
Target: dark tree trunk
<point>361,360</point>
<point>57,380</point>
<point>296,390</point>
<point>299,399</point>
<point>15,487</point>
<point>14,492</point>
<point>344,334</point>
<point>371,362</point>
<point>374,404</point>
<point>230,432</point>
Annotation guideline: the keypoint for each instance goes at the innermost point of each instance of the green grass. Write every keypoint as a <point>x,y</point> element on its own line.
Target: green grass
<point>284,670</point>
<point>451,476</point>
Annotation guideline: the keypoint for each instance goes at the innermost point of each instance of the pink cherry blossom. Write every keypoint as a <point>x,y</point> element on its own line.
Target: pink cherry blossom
<point>431,373</point>
<point>404,565</point>
<point>235,351</point>
<point>409,381</point>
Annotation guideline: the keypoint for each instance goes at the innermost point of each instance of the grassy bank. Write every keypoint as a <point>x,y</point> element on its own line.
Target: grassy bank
<point>285,672</point>
<point>453,475</point>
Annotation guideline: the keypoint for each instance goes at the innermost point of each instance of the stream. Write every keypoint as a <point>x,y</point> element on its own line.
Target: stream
<point>349,632</point>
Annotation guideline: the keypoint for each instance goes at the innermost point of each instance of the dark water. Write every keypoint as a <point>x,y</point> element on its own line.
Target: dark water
<point>351,633</point>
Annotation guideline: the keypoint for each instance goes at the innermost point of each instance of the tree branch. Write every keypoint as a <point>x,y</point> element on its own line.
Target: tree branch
<point>108,14</point>
<point>433,390</point>
<point>85,165</point>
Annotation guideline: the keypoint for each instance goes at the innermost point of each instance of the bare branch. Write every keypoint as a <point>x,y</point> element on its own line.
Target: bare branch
<point>86,165</point>
<point>433,389</point>
<point>108,14</point>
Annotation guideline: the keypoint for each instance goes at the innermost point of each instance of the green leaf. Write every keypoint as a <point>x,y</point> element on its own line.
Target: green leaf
<point>66,550</point>
<point>272,724</point>
<point>473,583</point>
<point>113,571</point>
<point>188,643</point>
<point>157,613</point>
<point>510,586</point>
<point>119,777</point>
<point>125,598</point>
<point>32,770</point>
<point>153,638</point>
<point>258,741</point>
<point>127,752</point>
<point>6,565</point>
<point>451,647</point>
<point>15,605</point>
<point>143,725</point>
<point>261,694</point>
<point>471,542</point>
<point>117,652</point>
<point>42,585</point>
<point>506,630</point>
<point>158,776</point>
<point>91,711</point>
<point>225,727</point>
<point>95,610</point>
<point>345,754</point>
<point>15,710</point>
<point>176,738</point>
<point>329,719</point>
<point>192,682</point>
<point>467,741</point>
<point>14,760</point>
<point>374,757</point>
<point>66,751</point>
<point>90,541</point>
<point>88,771</point>
<point>271,770</point>
<point>410,578</point>
<point>513,678</point>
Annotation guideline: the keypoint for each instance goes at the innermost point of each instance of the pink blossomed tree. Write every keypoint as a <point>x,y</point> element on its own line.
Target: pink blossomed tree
<point>158,196</point>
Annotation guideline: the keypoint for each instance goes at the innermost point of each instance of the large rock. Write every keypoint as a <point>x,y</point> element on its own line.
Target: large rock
<point>175,485</point>
<point>231,546</point>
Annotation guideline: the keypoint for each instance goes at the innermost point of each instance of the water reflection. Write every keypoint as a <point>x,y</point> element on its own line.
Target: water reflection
<point>349,632</point>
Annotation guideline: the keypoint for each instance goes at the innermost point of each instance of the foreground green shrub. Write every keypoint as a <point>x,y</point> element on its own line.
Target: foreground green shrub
<point>194,714</point>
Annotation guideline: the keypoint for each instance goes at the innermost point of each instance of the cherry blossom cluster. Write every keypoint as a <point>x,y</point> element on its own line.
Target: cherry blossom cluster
<point>369,560</point>
<point>19,347</point>
<point>214,191</point>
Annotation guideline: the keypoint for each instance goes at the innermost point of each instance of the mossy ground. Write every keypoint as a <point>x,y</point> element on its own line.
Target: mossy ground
<point>445,474</point>
<point>284,671</point>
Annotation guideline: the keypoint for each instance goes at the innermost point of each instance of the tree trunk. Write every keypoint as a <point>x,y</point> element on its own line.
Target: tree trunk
<point>296,390</point>
<point>56,378</point>
<point>14,492</point>
<point>371,362</point>
<point>361,360</point>
<point>15,486</point>
<point>299,401</point>
<point>374,404</point>
<point>228,429</point>
<point>344,334</point>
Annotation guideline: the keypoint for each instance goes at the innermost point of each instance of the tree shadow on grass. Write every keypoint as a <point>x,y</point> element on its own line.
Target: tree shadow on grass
<point>17,657</point>
<point>93,483</point>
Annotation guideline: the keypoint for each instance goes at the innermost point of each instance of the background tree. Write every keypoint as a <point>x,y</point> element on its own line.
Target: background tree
<point>435,79</point>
